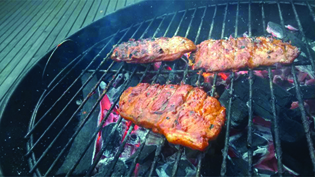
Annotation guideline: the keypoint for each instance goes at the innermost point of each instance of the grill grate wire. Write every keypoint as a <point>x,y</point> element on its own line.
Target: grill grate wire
<point>273,104</point>
<point>157,73</point>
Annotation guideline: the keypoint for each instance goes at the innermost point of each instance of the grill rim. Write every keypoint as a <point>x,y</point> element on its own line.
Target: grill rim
<point>297,89</point>
<point>223,167</point>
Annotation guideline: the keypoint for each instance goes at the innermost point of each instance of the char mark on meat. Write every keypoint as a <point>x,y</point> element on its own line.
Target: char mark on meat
<point>153,50</point>
<point>235,53</point>
<point>184,114</point>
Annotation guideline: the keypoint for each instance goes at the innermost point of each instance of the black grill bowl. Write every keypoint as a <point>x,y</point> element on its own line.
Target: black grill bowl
<point>50,85</point>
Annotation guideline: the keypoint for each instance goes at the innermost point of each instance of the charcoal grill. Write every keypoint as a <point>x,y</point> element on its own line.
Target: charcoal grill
<point>37,124</point>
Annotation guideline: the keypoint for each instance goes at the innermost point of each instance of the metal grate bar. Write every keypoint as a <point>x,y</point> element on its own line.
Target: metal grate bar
<point>121,147</point>
<point>135,160</point>
<point>44,94</point>
<point>298,90</point>
<point>277,143</point>
<point>311,58</point>
<point>311,10</point>
<point>99,128</point>
<point>169,25</point>
<point>159,148</point>
<point>198,34</point>
<point>120,150</point>
<point>196,71</point>
<point>64,93</point>
<point>82,124</point>
<point>178,156</point>
<point>224,20</point>
<point>275,126</point>
<point>180,23</point>
<point>170,73</point>
<point>201,155</point>
<point>249,125</point>
<point>304,119</point>
<point>84,101</point>
<point>191,20</point>
<point>50,145</point>
<point>105,118</point>
<point>210,34</point>
<point>228,125</point>
<point>250,104</point>
<point>162,141</point>
<point>158,28</point>
<point>76,132</point>
<point>161,144</point>
<point>43,97</point>
<point>187,32</point>
<point>156,156</point>
<point>212,22</point>
<point>181,148</point>
<point>131,128</point>
<point>201,23</point>
<point>228,121</point>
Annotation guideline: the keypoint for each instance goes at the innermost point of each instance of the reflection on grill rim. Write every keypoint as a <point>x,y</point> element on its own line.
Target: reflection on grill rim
<point>35,161</point>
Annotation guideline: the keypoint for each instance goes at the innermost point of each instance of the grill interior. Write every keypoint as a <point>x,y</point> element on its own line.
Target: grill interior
<point>69,106</point>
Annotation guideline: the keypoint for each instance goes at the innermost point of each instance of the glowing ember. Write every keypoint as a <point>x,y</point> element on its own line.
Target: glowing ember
<point>136,169</point>
<point>187,55</point>
<point>207,76</point>
<point>168,68</point>
<point>132,143</point>
<point>157,65</point>
<point>126,131</point>
<point>223,76</point>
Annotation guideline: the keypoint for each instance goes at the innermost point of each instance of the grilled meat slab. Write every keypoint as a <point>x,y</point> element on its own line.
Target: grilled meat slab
<point>153,50</point>
<point>236,53</point>
<point>184,114</point>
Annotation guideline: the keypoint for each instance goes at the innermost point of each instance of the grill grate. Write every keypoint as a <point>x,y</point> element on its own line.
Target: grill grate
<point>180,29</point>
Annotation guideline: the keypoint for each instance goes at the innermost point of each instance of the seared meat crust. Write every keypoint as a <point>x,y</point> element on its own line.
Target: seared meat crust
<point>183,114</point>
<point>236,53</point>
<point>153,50</point>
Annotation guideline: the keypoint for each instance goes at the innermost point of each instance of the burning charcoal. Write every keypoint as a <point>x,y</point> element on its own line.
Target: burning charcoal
<point>239,116</point>
<point>192,80</point>
<point>144,169</point>
<point>161,78</point>
<point>295,153</point>
<point>261,96</point>
<point>185,168</point>
<point>286,35</point>
<point>307,92</point>
<point>119,169</point>
<point>290,130</point>
<point>119,79</point>
<point>238,167</point>
<point>211,166</point>
<point>238,144</point>
<point>285,173</point>
<point>113,141</point>
<point>192,154</point>
<point>306,69</point>
<point>146,155</point>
